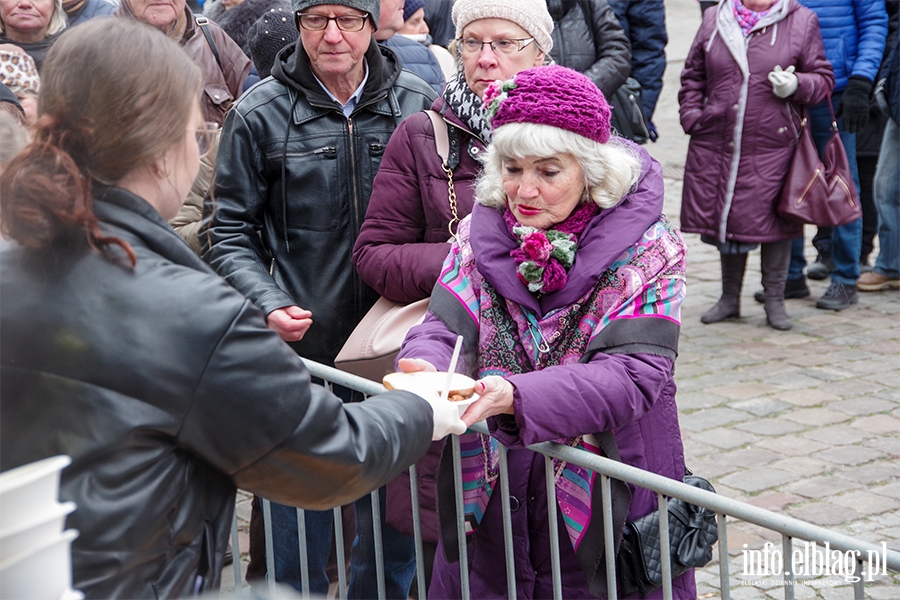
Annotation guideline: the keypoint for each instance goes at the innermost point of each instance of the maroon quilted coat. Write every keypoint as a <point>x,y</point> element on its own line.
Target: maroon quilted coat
<point>742,135</point>
<point>401,247</point>
<point>404,239</point>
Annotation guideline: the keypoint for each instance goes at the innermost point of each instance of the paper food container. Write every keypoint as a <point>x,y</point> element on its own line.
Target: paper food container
<point>43,572</point>
<point>29,493</point>
<point>47,527</point>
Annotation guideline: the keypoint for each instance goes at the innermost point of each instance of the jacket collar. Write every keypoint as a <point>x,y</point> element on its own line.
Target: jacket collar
<point>292,68</point>
<point>611,232</point>
<point>141,224</point>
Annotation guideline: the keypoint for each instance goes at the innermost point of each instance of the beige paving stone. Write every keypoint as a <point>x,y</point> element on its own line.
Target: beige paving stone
<point>772,426</point>
<point>852,388</point>
<point>878,424</point>
<point>891,490</point>
<point>825,514</point>
<point>850,455</point>
<point>866,503</point>
<point>807,397</point>
<point>839,435</point>
<point>776,501</point>
<point>816,417</point>
<point>820,487</point>
<point>863,406</point>
<point>887,445</point>
<point>873,473</point>
<point>758,478</point>
<point>727,439</point>
<point>743,391</point>
<point>802,466</point>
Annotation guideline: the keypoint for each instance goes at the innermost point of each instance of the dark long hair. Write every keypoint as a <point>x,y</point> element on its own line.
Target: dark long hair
<point>115,96</point>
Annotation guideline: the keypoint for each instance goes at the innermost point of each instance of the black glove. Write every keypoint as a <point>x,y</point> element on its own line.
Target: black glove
<point>854,108</point>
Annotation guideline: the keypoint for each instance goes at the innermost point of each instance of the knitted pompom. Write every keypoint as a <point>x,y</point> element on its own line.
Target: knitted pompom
<point>550,95</point>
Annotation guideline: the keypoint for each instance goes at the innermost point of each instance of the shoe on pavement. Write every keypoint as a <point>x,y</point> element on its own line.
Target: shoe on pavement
<point>793,288</point>
<point>820,269</point>
<point>838,296</point>
<point>875,282</point>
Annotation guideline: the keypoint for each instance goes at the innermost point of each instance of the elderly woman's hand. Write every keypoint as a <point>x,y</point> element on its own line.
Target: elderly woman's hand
<point>495,398</point>
<point>411,365</point>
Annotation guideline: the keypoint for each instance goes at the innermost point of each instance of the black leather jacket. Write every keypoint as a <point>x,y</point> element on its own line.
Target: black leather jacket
<point>593,44</point>
<point>167,390</point>
<point>287,211</point>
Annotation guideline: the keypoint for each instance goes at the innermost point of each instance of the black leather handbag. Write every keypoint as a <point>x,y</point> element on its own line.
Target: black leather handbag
<point>627,119</point>
<point>692,533</point>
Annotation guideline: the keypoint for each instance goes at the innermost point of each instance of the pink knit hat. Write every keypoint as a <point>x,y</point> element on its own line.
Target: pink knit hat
<point>550,95</point>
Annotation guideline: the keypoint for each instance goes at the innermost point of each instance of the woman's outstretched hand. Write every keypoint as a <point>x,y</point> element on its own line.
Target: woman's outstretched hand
<point>495,398</point>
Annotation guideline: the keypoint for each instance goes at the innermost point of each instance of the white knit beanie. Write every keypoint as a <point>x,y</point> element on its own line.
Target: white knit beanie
<point>530,15</point>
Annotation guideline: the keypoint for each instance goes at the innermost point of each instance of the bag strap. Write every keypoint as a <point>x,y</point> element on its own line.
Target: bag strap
<point>442,147</point>
<point>203,22</point>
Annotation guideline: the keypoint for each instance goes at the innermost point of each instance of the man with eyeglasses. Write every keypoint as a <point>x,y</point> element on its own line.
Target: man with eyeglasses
<point>293,177</point>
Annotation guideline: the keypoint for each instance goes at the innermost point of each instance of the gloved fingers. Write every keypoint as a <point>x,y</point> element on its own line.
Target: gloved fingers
<point>777,69</point>
<point>790,68</point>
<point>446,419</point>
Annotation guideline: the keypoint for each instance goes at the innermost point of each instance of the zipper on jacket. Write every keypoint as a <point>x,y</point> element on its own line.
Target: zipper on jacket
<point>354,213</point>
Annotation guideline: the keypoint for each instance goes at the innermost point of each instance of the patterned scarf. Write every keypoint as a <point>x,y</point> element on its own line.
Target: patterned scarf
<point>467,106</point>
<point>544,257</point>
<point>746,18</point>
<point>646,280</point>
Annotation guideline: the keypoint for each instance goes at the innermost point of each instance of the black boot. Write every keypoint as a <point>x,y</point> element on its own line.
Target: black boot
<point>729,305</point>
<point>776,257</point>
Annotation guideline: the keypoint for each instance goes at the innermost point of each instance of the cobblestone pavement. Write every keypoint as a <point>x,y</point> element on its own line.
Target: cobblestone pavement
<point>804,423</point>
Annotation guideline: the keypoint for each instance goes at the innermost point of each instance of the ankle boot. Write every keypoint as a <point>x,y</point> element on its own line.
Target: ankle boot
<point>729,305</point>
<point>776,258</point>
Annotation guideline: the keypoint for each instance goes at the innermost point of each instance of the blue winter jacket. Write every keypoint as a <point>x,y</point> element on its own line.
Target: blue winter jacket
<point>645,25</point>
<point>854,33</point>
<point>418,59</point>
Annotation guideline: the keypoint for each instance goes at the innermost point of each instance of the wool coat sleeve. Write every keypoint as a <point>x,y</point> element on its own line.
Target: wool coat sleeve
<point>391,254</point>
<point>693,92</point>
<point>645,25</point>
<point>815,78</point>
<point>610,391</point>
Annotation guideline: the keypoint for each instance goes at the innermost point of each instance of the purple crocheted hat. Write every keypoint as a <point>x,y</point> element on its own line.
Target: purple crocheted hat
<point>550,95</point>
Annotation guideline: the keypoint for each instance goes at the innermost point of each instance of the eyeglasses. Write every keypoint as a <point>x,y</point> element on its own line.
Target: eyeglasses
<point>314,22</point>
<point>207,138</point>
<point>504,46</point>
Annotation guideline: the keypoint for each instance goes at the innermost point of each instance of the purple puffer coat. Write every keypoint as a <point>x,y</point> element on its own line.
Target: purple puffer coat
<point>742,135</point>
<point>630,393</point>
<point>403,240</point>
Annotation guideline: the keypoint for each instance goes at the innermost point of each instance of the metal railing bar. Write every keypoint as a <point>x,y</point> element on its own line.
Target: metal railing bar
<point>787,546</point>
<point>506,511</point>
<point>270,547</point>
<point>859,587</point>
<point>609,542</point>
<point>550,480</point>
<point>340,552</point>
<point>724,583</point>
<point>460,520</point>
<point>236,554</point>
<point>664,551</point>
<point>417,532</point>
<point>304,552</point>
<point>780,523</point>
<point>378,543</point>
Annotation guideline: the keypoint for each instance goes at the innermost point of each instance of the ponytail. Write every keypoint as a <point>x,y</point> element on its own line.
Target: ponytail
<point>44,195</point>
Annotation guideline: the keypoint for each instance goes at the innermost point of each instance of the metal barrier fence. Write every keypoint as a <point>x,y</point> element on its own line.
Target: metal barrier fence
<point>858,551</point>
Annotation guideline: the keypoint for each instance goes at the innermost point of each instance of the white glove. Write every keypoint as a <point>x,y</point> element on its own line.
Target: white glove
<point>784,83</point>
<point>446,413</point>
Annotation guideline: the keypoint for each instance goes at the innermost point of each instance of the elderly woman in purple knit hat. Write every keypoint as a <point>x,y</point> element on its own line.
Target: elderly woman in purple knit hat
<point>566,283</point>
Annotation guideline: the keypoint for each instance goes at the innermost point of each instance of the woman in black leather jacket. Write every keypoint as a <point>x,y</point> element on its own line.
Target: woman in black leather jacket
<point>124,351</point>
<point>588,37</point>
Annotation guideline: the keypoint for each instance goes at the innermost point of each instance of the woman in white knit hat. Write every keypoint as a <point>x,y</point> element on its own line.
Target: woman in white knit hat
<point>404,238</point>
